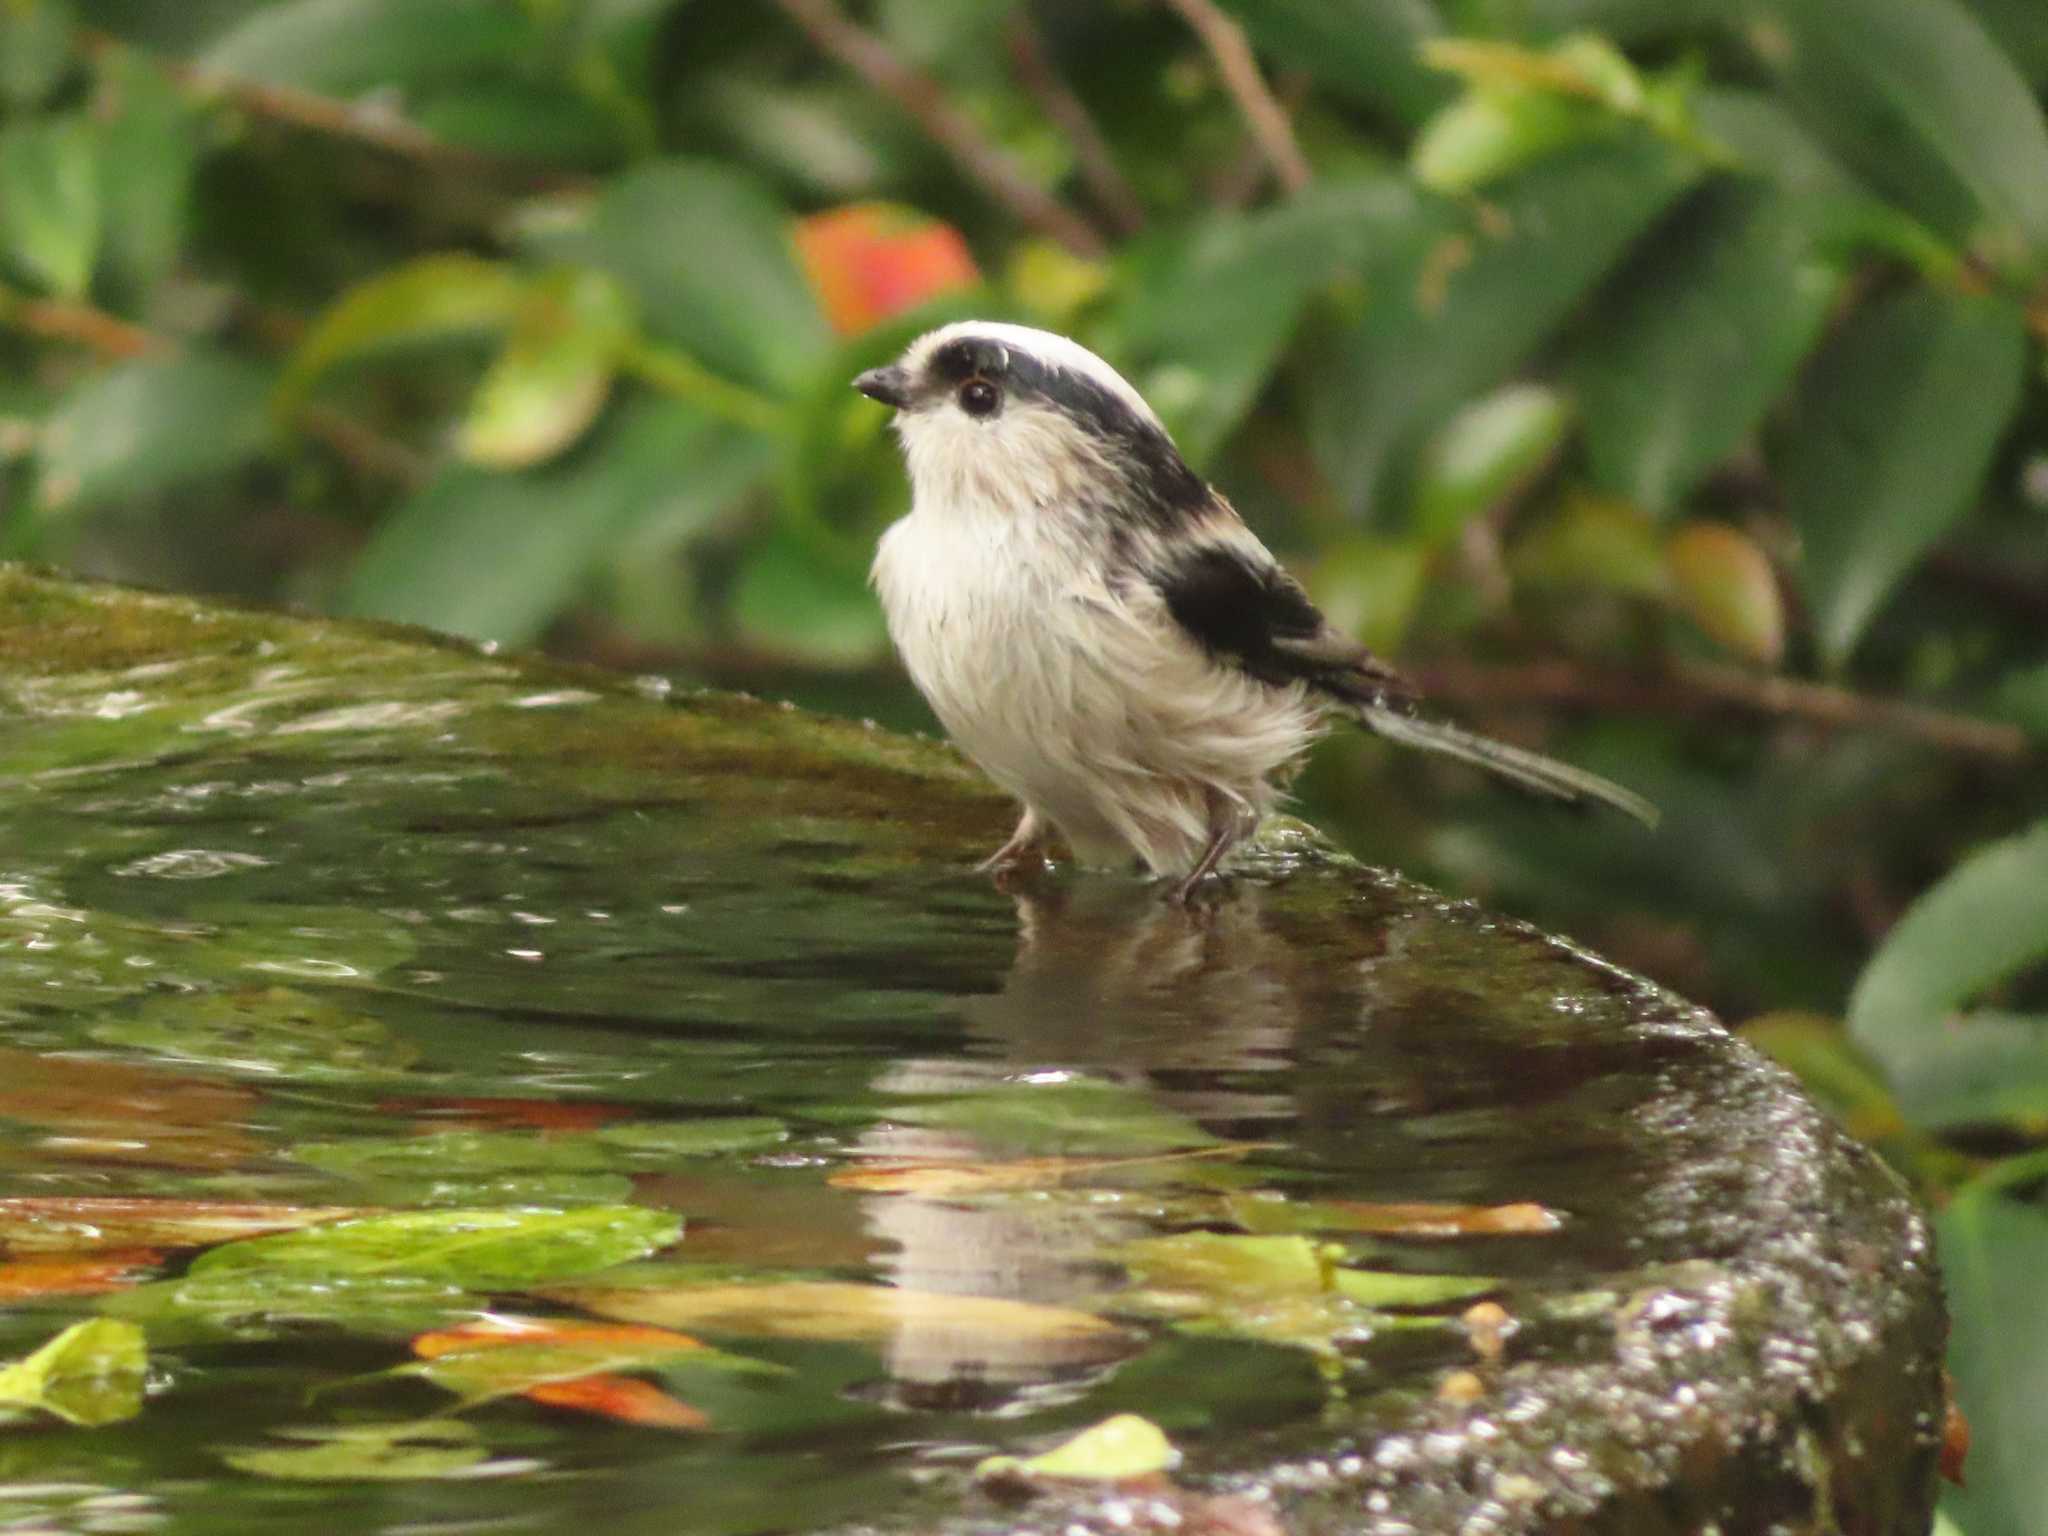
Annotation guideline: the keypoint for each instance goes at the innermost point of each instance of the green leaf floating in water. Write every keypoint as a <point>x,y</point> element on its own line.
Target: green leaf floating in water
<point>480,1249</point>
<point>1119,1447</point>
<point>257,1303</point>
<point>475,1154</point>
<point>1070,1118</point>
<point>418,1448</point>
<point>275,1032</point>
<point>90,1374</point>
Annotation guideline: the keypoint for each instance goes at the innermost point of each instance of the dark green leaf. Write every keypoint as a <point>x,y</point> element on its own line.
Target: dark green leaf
<point>455,1154</point>
<point>1248,278</point>
<point>50,213</point>
<point>353,45</point>
<point>148,158</point>
<point>1367,50</point>
<point>706,251</point>
<point>1076,1117</point>
<point>1916,96</point>
<point>548,530</point>
<point>261,1303</point>
<point>148,426</point>
<point>35,50</point>
<point>523,120</point>
<point>482,1249</point>
<point>2023,699</point>
<point>270,1032</point>
<point>1994,1251</point>
<point>1983,923</point>
<point>2020,27</point>
<point>90,1374</point>
<point>1895,428</point>
<point>1457,298</point>
<point>805,598</point>
<point>1697,339</point>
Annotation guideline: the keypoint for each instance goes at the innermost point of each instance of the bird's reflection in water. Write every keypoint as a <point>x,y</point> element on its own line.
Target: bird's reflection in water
<point>1167,1011</point>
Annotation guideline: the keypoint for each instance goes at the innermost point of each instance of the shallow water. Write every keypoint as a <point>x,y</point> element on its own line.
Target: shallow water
<point>281,903</point>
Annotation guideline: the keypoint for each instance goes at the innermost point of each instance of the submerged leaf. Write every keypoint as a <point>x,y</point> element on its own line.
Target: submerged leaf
<point>1216,1263</point>
<point>416,1448</point>
<point>120,1270</point>
<point>76,1223</point>
<point>1119,1447</point>
<point>90,1374</point>
<point>964,1178</point>
<point>1413,1219</point>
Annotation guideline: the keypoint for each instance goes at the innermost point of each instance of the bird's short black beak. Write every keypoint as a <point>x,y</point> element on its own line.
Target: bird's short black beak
<point>889,385</point>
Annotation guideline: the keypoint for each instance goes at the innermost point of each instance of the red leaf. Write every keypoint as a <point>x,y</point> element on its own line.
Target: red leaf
<point>621,1398</point>
<point>869,261</point>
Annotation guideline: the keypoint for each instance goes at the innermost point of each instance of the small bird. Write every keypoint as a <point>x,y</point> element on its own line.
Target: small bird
<point>1097,628</point>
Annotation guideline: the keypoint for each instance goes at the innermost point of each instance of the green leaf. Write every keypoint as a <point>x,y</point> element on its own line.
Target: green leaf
<point>2020,27</point>
<point>555,373</point>
<point>260,1303</point>
<point>483,1374</point>
<point>344,46</point>
<point>706,251</point>
<point>457,1154</point>
<point>1698,339</point>
<point>1072,1118</point>
<point>1484,453</point>
<point>50,213</point>
<point>1219,1264</point>
<point>1485,135</point>
<point>2022,698</point>
<point>1384,1288</point>
<point>149,426</point>
<point>1460,296</point>
<point>1367,50</point>
<point>35,50</point>
<point>1119,1447</point>
<point>429,299</point>
<point>1916,96</point>
<point>148,160</point>
<point>269,1032</point>
<point>1209,311</point>
<point>1721,579</point>
<point>1370,587</point>
<point>90,1374</point>
<point>482,1249</point>
<point>805,599</point>
<point>1983,923</point>
<point>548,530</point>
<point>1994,1251</point>
<point>410,1451</point>
<point>1893,433</point>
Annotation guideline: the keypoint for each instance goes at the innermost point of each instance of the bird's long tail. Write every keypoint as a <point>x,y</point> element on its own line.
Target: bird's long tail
<point>1532,771</point>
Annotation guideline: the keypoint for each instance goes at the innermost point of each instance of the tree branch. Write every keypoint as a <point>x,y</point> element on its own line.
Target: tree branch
<point>1263,115</point>
<point>1068,113</point>
<point>70,321</point>
<point>984,163</point>
<point>1699,688</point>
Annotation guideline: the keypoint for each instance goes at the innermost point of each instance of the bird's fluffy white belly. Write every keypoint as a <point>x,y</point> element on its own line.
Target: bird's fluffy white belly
<point>1091,706</point>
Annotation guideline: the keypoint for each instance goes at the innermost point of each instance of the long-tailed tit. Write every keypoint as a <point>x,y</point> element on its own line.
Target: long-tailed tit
<point>1098,629</point>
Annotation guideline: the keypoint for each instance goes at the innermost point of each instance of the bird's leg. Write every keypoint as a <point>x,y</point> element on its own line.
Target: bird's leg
<point>1230,823</point>
<point>1025,844</point>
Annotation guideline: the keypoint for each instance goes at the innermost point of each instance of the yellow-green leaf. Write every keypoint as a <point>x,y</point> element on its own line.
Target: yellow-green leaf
<point>1119,1447</point>
<point>554,374</point>
<point>90,1374</point>
<point>1724,583</point>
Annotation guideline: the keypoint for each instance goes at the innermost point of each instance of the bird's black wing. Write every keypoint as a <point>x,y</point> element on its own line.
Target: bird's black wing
<point>1244,610</point>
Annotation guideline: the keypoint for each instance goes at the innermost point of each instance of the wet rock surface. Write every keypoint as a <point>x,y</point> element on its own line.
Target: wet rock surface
<point>289,874</point>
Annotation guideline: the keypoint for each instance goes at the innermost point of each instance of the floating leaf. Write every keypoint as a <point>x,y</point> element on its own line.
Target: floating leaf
<point>74,1223</point>
<point>872,261</point>
<point>90,1374</point>
<point>1724,583</point>
<point>567,1363</point>
<point>119,1270</point>
<point>455,1154</point>
<point>481,1249</point>
<point>621,1398</point>
<point>1524,1218</point>
<point>1219,1264</point>
<point>1119,1447</point>
<point>257,1303</point>
<point>554,374</point>
<point>276,1032</point>
<point>1895,428</point>
<point>1072,1117</point>
<point>853,1313</point>
<point>403,1452</point>
<point>1385,1288</point>
<point>934,1179</point>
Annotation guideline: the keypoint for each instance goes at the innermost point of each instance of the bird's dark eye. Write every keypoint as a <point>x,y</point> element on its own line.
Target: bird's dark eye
<point>978,397</point>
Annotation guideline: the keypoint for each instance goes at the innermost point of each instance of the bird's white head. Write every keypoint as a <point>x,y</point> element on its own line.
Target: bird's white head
<point>1012,420</point>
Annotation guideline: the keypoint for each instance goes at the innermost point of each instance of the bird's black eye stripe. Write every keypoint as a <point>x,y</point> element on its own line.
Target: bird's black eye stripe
<point>978,397</point>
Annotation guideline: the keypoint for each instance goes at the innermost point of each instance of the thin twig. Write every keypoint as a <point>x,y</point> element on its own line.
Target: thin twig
<point>1067,112</point>
<point>985,163</point>
<point>364,449</point>
<point>1699,688</point>
<point>1263,115</point>
<point>72,321</point>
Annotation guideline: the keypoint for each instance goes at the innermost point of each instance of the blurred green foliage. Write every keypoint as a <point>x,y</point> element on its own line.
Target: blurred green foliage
<point>1662,378</point>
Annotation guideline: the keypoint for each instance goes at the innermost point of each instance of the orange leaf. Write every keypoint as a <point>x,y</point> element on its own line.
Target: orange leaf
<point>621,1398</point>
<point>1421,1220</point>
<point>504,1328</point>
<point>889,1177</point>
<point>869,261</point>
<point>115,1270</point>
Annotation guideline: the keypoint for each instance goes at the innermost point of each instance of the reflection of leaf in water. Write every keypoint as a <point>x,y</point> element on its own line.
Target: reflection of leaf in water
<point>90,1374</point>
<point>417,1448</point>
<point>886,1177</point>
<point>117,1270</point>
<point>1119,1447</point>
<point>245,941</point>
<point>263,1031</point>
<point>831,1310</point>
<point>473,1154</point>
<point>562,1190</point>
<point>1275,1214</point>
<point>79,1223</point>
<point>102,1111</point>
<point>1071,1117</point>
<point>482,1249</point>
